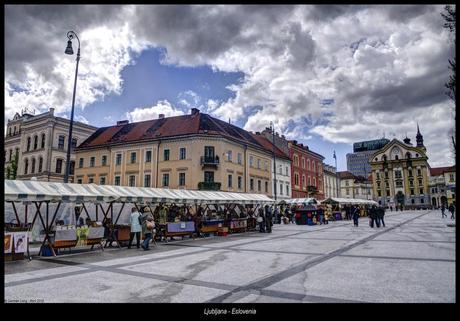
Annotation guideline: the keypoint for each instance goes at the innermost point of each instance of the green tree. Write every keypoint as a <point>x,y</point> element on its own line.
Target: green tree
<point>12,169</point>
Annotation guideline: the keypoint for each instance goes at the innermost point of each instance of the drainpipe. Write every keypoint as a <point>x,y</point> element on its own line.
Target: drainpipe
<point>158,160</point>
<point>244,170</point>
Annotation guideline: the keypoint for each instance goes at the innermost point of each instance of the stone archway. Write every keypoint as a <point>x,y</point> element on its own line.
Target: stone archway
<point>444,200</point>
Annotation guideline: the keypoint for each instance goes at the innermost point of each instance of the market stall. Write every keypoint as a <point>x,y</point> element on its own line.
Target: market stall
<point>108,202</point>
<point>337,204</point>
<point>306,215</point>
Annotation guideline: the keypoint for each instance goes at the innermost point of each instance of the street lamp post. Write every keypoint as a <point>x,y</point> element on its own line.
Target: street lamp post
<point>69,51</point>
<point>336,175</point>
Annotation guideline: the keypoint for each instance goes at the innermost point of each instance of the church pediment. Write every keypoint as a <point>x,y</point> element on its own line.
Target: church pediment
<point>396,150</point>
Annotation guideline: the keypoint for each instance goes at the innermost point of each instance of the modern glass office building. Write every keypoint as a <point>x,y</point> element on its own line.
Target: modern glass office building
<point>358,161</point>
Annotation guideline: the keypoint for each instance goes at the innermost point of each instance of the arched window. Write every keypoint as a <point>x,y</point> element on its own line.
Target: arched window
<point>59,166</point>
<point>40,164</point>
<point>308,164</point>
<point>35,142</point>
<point>384,158</point>
<point>9,131</point>
<point>408,155</point>
<point>26,166</point>
<point>43,141</point>
<point>33,165</point>
<point>396,157</point>
<point>28,143</point>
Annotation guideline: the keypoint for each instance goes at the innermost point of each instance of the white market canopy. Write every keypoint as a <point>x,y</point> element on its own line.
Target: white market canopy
<point>19,190</point>
<point>300,201</point>
<point>354,201</point>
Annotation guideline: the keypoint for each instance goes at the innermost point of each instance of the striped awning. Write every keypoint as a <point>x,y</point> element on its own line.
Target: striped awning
<point>19,190</point>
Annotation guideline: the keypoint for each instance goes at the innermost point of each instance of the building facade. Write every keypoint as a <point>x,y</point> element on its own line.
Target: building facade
<point>358,161</point>
<point>331,181</point>
<point>352,186</point>
<point>400,174</point>
<point>306,166</point>
<point>442,185</point>
<point>282,178</point>
<point>40,143</point>
<point>194,151</point>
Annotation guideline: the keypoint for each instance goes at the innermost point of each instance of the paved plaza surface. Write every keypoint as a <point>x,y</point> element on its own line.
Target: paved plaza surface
<point>412,259</point>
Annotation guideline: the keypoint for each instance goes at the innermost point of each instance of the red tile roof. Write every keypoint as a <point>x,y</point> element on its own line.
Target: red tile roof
<point>436,171</point>
<point>167,128</point>
<point>268,145</point>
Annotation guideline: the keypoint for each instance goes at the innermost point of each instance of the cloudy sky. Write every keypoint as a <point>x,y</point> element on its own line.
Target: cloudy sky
<point>327,76</point>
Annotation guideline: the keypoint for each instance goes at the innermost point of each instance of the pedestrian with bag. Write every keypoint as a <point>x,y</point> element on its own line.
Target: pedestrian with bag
<point>261,221</point>
<point>135,221</point>
<point>148,226</point>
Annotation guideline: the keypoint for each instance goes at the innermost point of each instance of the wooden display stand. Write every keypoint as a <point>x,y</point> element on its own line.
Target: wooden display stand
<point>179,229</point>
<point>238,225</point>
<point>211,226</point>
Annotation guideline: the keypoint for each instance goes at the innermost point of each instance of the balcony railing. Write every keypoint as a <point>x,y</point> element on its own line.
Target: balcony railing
<point>205,160</point>
<point>209,186</point>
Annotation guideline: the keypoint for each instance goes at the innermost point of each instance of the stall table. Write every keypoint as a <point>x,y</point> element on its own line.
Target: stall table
<point>211,226</point>
<point>304,216</point>
<point>236,225</point>
<point>179,229</point>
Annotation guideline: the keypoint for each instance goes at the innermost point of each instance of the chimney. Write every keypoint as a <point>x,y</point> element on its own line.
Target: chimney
<point>51,111</point>
<point>283,137</point>
<point>295,142</point>
<point>277,134</point>
<point>122,122</point>
<point>195,111</point>
<point>257,133</point>
<point>161,116</point>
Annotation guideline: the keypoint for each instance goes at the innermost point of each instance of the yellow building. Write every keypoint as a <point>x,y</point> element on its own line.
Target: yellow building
<point>194,151</point>
<point>400,174</point>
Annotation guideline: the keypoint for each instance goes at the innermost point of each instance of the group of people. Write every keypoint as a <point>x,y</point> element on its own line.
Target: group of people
<point>376,215</point>
<point>141,223</point>
<point>451,209</point>
<point>265,219</point>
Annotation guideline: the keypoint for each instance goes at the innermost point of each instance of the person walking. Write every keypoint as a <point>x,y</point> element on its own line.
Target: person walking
<point>452,211</point>
<point>135,221</point>
<point>320,212</point>
<point>372,216</point>
<point>261,221</point>
<point>268,219</point>
<point>443,209</point>
<point>355,215</point>
<point>380,215</point>
<point>147,228</point>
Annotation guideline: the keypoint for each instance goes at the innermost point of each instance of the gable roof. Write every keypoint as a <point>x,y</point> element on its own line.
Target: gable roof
<point>169,127</point>
<point>346,175</point>
<point>436,171</point>
<point>395,141</point>
<point>268,145</point>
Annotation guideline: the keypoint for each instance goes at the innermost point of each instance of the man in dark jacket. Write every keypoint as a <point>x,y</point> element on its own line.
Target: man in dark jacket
<point>355,215</point>
<point>452,210</point>
<point>443,209</point>
<point>268,219</point>
<point>372,216</point>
